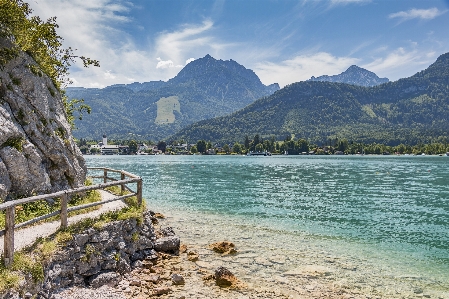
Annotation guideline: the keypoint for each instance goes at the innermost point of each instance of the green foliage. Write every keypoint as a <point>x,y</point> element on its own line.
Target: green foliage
<point>201,146</point>
<point>75,109</point>
<point>237,148</point>
<point>14,80</point>
<point>60,132</point>
<point>135,237</point>
<point>409,111</point>
<point>35,209</point>
<point>15,142</point>
<point>132,147</point>
<point>39,39</point>
<point>206,89</point>
<point>6,55</point>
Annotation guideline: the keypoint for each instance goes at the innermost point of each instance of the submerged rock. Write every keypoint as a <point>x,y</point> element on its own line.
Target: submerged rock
<point>224,277</point>
<point>223,247</point>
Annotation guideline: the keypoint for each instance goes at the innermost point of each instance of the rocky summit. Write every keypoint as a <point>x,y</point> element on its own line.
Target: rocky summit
<point>37,150</point>
<point>354,75</point>
<point>205,88</point>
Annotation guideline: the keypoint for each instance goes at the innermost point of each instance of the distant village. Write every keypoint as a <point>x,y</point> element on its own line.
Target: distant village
<point>256,147</point>
<point>133,148</point>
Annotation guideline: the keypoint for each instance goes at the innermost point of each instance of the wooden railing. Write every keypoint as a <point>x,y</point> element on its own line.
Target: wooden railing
<point>9,206</point>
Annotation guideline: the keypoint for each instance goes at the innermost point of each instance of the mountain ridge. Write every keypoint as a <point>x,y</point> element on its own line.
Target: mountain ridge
<point>354,75</point>
<point>409,110</point>
<point>203,89</point>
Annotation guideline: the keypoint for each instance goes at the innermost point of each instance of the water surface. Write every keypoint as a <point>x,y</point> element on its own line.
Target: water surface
<point>389,215</point>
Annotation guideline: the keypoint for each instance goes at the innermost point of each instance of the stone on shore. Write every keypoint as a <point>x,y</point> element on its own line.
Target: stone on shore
<point>224,277</point>
<point>167,244</point>
<point>223,247</point>
<point>107,278</point>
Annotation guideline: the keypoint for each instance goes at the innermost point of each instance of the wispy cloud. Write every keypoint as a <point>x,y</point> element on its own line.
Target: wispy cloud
<point>345,2</point>
<point>94,28</point>
<point>394,64</point>
<point>174,44</point>
<point>423,14</point>
<point>302,67</point>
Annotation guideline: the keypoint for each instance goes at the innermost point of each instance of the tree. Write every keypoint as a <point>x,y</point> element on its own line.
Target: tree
<point>237,148</point>
<point>201,146</point>
<point>247,142</point>
<point>226,148</point>
<point>303,145</point>
<point>259,147</point>
<point>162,146</point>
<point>39,40</point>
<point>132,147</point>
<point>193,149</point>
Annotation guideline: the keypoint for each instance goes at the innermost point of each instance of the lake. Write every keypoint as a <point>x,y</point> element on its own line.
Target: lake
<point>385,218</point>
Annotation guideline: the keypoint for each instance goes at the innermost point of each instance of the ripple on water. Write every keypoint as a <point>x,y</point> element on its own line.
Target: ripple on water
<point>382,218</point>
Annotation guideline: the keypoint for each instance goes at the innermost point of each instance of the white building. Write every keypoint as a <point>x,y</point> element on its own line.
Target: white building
<point>106,149</point>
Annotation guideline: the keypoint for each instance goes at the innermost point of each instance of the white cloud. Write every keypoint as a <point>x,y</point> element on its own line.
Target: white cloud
<point>302,67</point>
<point>399,62</point>
<point>109,75</point>
<point>189,60</point>
<point>189,38</point>
<point>93,27</point>
<point>164,64</point>
<point>424,14</point>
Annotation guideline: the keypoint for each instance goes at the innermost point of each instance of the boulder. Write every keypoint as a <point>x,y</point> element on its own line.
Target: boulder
<point>177,279</point>
<point>224,277</point>
<point>106,278</point>
<point>223,247</point>
<point>167,244</point>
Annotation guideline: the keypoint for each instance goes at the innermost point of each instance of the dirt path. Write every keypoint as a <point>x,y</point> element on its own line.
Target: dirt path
<point>26,236</point>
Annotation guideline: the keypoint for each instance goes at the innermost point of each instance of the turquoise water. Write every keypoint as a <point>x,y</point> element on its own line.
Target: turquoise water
<point>387,211</point>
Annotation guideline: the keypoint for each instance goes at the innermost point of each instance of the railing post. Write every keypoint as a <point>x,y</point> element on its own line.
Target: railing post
<point>122,186</point>
<point>64,213</point>
<point>139,192</point>
<point>9,236</point>
<point>105,176</point>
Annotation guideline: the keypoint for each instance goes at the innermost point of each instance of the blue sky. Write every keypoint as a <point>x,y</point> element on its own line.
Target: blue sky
<point>282,41</point>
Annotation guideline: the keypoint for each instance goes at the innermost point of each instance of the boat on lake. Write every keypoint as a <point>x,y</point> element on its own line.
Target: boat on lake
<point>265,153</point>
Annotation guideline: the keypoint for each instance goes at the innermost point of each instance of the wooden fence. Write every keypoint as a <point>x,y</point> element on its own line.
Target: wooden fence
<point>9,206</point>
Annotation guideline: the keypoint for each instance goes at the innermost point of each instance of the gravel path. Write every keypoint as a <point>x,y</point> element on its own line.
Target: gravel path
<point>26,236</point>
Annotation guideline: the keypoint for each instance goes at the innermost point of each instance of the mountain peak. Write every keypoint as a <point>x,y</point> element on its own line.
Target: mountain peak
<point>354,75</point>
<point>221,73</point>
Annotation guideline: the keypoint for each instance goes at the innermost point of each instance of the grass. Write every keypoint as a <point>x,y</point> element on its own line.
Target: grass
<point>30,261</point>
<point>32,210</point>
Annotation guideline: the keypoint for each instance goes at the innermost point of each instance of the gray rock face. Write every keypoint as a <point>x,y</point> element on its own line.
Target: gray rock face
<point>101,257</point>
<point>107,278</point>
<point>354,75</point>
<point>167,244</point>
<point>37,150</point>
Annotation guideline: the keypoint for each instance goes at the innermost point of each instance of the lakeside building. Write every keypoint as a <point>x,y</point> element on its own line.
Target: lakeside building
<point>107,149</point>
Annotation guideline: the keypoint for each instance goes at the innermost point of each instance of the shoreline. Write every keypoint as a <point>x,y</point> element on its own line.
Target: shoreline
<point>207,203</point>
<point>318,273</point>
<point>266,271</point>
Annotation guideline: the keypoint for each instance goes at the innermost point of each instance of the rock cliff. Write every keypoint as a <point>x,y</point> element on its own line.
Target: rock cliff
<point>354,75</point>
<point>37,150</point>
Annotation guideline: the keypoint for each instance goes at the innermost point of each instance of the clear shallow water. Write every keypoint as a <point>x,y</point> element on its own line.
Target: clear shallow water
<point>385,212</point>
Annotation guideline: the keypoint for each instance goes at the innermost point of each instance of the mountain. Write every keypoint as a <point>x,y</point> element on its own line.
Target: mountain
<point>410,110</point>
<point>205,88</point>
<point>354,75</point>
